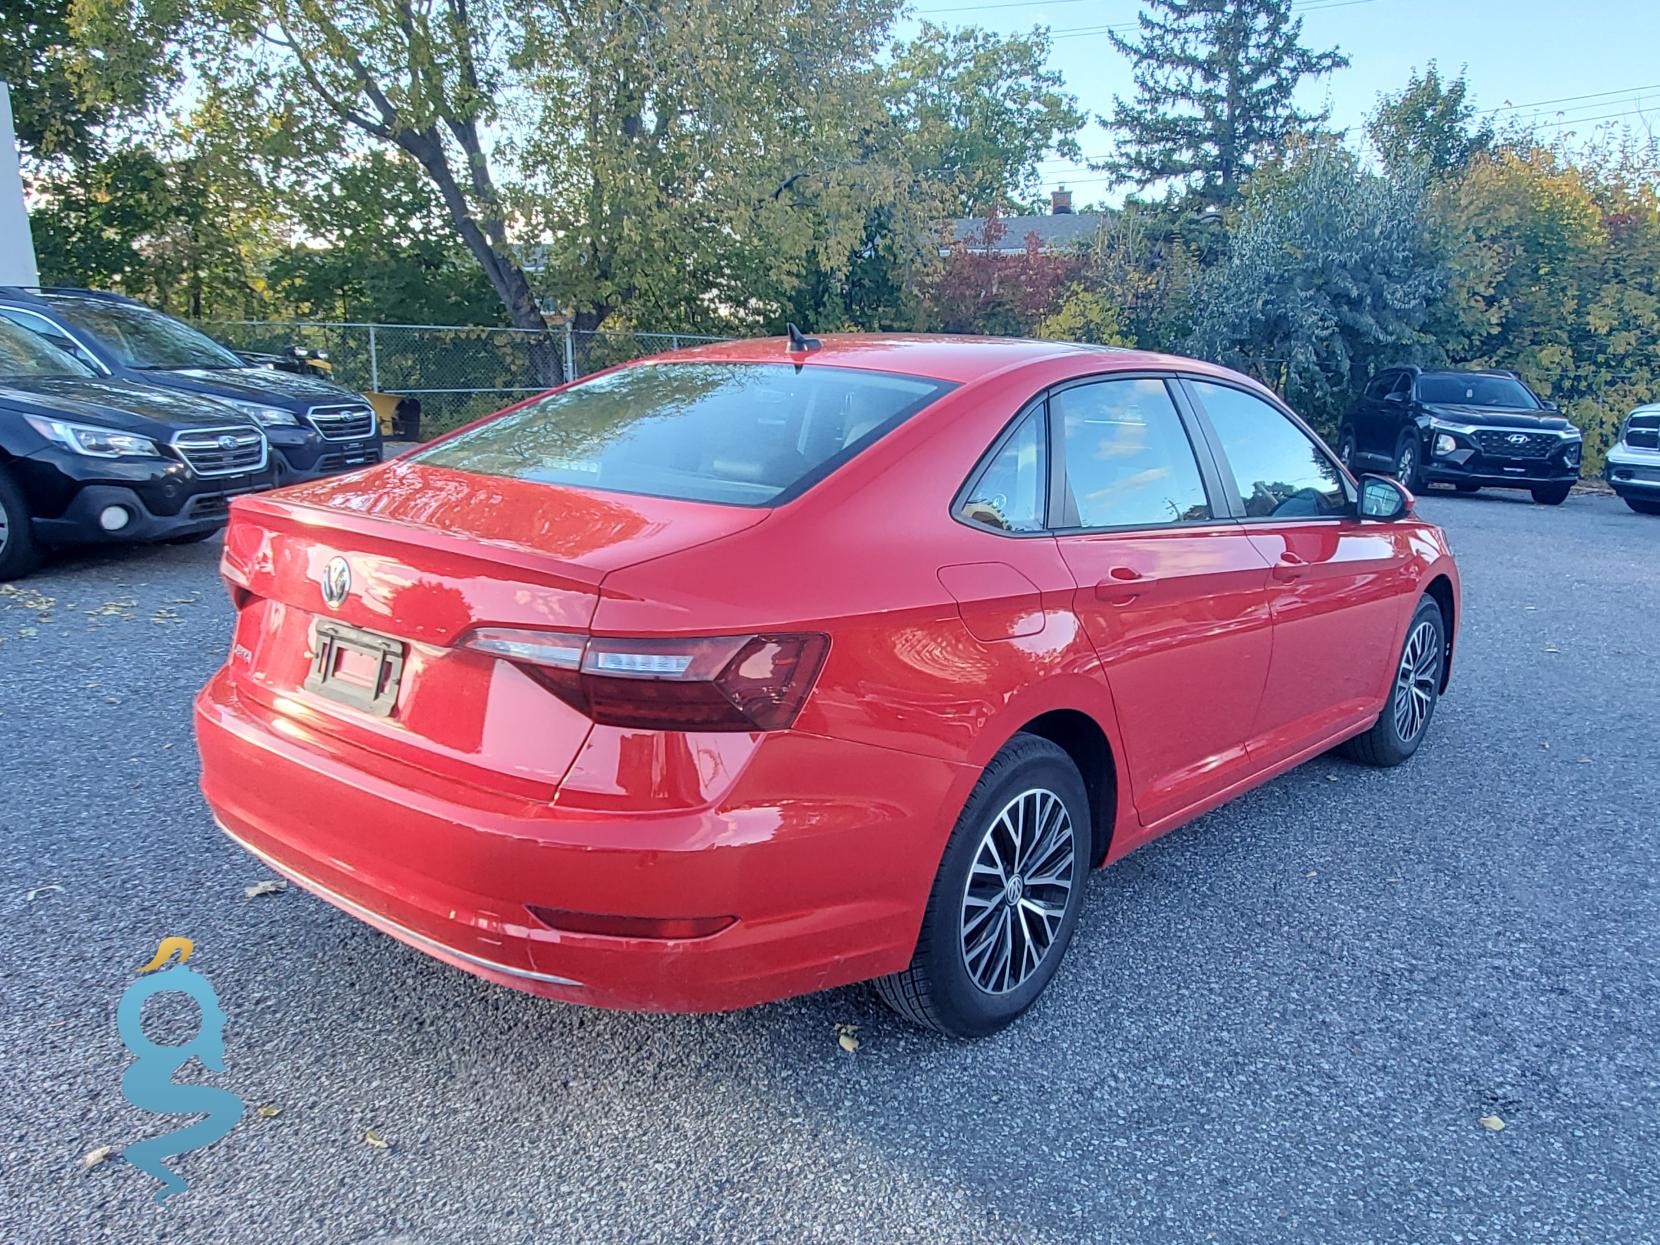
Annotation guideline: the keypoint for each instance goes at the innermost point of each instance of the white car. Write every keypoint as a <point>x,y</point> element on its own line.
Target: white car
<point>1634,462</point>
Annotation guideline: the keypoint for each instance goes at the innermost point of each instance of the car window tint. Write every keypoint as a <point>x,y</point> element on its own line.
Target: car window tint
<point>24,353</point>
<point>1128,460</point>
<point>1382,385</point>
<point>1009,493</point>
<point>742,433</point>
<point>1280,471</point>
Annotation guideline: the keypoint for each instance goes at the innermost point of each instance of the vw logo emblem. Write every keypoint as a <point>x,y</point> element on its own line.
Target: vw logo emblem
<point>227,442</point>
<point>1518,438</point>
<point>336,582</point>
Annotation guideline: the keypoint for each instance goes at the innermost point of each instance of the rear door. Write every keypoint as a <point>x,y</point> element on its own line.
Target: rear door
<point>1340,587</point>
<point>1171,591</point>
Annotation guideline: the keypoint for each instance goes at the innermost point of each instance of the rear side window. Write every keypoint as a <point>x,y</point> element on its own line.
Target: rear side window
<point>1279,470</point>
<point>1128,460</point>
<point>742,433</point>
<point>1009,494</point>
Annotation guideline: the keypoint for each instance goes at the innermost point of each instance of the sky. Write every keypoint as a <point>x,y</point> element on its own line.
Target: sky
<point>1572,67</point>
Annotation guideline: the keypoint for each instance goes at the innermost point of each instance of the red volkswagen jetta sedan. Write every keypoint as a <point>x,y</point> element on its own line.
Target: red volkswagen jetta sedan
<point>747,671</point>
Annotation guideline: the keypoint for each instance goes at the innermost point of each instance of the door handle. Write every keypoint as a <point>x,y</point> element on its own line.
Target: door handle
<point>1123,585</point>
<point>1289,567</point>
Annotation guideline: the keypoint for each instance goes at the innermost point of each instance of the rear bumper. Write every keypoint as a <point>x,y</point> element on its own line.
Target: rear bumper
<point>823,850</point>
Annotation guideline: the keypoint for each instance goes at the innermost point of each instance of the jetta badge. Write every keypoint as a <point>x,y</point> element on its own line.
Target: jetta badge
<point>1518,438</point>
<point>336,582</point>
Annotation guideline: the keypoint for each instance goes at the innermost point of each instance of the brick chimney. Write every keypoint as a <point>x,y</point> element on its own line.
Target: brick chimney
<point>1060,202</point>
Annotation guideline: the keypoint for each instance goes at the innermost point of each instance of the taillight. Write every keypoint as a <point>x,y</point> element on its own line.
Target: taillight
<point>697,683</point>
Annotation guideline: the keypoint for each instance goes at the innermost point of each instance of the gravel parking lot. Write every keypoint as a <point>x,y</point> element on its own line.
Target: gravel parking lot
<point>1282,1023</point>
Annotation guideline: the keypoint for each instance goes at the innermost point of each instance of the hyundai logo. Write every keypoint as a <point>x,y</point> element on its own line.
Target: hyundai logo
<point>1517,438</point>
<point>336,582</point>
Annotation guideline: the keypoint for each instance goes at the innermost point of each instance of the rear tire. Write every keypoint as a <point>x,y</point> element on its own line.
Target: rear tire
<point>19,551</point>
<point>1643,505</point>
<point>1407,461</point>
<point>1006,898</point>
<point>1413,693</point>
<point>1551,494</point>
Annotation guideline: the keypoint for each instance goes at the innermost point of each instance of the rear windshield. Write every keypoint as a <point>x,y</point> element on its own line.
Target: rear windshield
<point>743,433</point>
<point>1466,390</point>
<point>141,338</point>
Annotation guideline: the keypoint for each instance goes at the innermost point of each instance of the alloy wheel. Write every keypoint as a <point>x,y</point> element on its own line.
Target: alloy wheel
<point>5,529</point>
<point>1403,469</point>
<point>1416,680</point>
<point>1017,891</point>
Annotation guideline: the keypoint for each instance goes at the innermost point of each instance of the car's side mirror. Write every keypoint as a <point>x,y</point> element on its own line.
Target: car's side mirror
<point>1551,406</point>
<point>1395,396</point>
<point>1383,499</point>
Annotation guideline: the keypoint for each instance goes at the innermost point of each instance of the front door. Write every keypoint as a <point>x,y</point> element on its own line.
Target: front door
<point>1172,593</point>
<point>1340,588</point>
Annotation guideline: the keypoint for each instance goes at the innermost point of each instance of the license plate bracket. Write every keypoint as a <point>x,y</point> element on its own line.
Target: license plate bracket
<point>355,667</point>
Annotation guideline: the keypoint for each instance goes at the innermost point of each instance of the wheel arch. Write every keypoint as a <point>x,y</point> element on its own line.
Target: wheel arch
<point>1082,738</point>
<point>1440,590</point>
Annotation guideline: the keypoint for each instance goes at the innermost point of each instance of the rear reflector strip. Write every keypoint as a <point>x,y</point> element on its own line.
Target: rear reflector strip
<point>670,928</point>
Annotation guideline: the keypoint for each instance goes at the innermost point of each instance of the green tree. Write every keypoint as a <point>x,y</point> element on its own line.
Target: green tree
<point>1214,85</point>
<point>1429,124</point>
<point>978,111</point>
<point>1331,272</point>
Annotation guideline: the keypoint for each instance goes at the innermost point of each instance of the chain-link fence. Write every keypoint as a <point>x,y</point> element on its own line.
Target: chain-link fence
<point>457,372</point>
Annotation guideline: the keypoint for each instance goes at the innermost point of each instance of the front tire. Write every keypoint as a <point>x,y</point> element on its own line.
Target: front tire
<point>1006,898</point>
<point>1413,693</point>
<point>1407,462</point>
<point>19,551</point>
<point>1643,505</point>
<point>1346,447</point>
<point>1551,494</point>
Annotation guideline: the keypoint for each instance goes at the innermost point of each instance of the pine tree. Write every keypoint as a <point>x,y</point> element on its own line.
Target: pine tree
<point>1214,81</point>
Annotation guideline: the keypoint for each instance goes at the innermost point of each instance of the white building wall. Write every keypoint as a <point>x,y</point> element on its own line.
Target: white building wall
<point>17,246</point>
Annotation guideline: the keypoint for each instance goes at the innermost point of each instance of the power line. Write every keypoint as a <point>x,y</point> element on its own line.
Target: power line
<point>1568,99</point>
<point>1005,4</point>
<point>1612,116</point>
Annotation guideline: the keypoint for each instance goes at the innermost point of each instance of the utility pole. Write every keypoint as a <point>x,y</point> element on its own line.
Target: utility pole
<point>17,247</point>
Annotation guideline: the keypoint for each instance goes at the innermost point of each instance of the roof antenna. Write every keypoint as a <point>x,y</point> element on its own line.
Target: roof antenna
<point>800,344</point>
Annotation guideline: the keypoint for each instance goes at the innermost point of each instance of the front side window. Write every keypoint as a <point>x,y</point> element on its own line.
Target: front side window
<point>24,354</point>
<point>1009,494</point>
<point>141,338</point>
<point>1280,471</point>
<point>1128,460</point>
<point>1382,385</point>
<point>742,433</point>
<point>1454,389</point>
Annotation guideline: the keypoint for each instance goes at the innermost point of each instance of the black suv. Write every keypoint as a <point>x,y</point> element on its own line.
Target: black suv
<point>316,426</point>
<point>1472,429</point>
<point>88,458</point>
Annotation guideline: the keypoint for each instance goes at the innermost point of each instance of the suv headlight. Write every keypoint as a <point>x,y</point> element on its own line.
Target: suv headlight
<point>1570,456</point>
<point>94,442</point>
<point>269,416</point>
<point>1444,443</point>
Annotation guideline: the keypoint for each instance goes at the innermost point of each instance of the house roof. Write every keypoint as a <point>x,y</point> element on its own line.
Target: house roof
<point>1056,231</point>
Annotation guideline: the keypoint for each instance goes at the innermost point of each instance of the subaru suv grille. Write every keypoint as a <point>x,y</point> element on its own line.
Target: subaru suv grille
<point>222,451</point>
<point>350,422</point>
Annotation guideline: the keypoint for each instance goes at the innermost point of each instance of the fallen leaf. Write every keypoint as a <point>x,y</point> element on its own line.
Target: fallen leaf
<point>271,886</point>
<point>1551,648</point>
<point>269,1112</point>
<point>34,892</point>
<point>846,1037</point>
<point>1492,1123</point>
<point>1331,777</point>
<point>92,1158</point>
<point>376,1140</point>
<point>1312,873</point>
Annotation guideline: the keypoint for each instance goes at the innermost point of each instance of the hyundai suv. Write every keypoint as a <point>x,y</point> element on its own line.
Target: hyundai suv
<point>85,458</point>
<point>1473,430</point>
<point>316,427</point>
